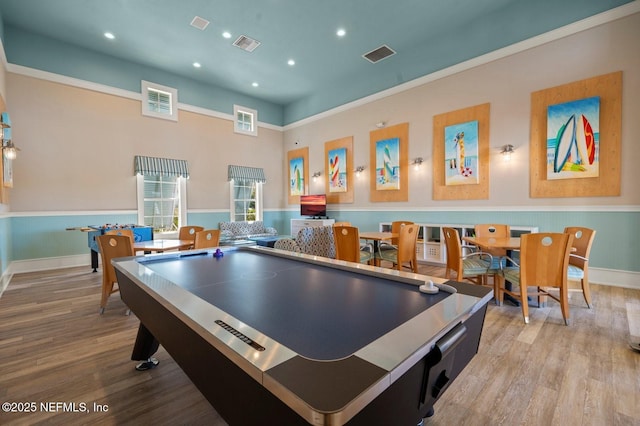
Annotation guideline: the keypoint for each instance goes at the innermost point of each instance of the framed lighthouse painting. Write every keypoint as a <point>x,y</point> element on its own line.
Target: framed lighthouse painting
<point>461,154</point>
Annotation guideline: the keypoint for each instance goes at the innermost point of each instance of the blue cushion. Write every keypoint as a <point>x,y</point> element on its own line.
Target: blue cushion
<point>575,272</point>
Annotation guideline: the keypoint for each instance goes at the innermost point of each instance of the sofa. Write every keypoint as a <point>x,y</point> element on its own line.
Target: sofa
<point>317,241</point>
<point>244,229</point>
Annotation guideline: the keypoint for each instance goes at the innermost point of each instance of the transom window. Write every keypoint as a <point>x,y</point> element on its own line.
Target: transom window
<point>245,120</point>
<point>159,101</point>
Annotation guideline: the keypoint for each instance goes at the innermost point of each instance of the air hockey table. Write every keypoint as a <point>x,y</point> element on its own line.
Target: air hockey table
<point>273,336</point>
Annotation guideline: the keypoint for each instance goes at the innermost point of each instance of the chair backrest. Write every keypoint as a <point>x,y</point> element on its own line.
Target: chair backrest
<point>207,238</point>
<point>126,232</point>
<point>189,232</point>
<point>287,244</point>
<point>496,230</point>
<point>395,228</point>
<point>454,251</point>
<point>582,241</point>
<point>493,230</point>
<point>347,241</point>
<point>544,258</point>
<point>407,246</point>
<point>111,247</point>
<point>317,241</point>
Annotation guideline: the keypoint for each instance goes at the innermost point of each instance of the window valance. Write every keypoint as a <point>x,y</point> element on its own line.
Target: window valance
<point>254,174</point>
<point>161,166</point>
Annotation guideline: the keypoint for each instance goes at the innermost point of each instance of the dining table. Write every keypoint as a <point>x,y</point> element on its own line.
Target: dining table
<point>376,237</point>
<point>489,243</point>
<point>162,245</point>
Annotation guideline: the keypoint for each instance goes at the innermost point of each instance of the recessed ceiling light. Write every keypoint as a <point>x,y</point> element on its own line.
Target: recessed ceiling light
<point>255,84</point>
<point>109,35</point>
<point>291,62</point>
<point>226,34</point>
<point>341,32</point>
<point>196,65</point>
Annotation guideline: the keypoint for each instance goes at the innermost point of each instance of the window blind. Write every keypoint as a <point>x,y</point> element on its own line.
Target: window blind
<point>161,166</point>
<point>253,174</point>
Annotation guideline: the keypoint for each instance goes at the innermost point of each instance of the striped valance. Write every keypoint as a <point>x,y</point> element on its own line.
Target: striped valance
<point>161,166</point>
<point>254,174</point>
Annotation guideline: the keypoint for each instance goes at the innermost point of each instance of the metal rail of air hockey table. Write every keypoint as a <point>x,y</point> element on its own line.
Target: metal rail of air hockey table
<point>269,335</point>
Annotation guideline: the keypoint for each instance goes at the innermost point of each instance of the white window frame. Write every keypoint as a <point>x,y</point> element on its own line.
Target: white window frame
<point>232,199</point>
<point>147,86</point>
<point>239,126</point>
<point>182,205</point>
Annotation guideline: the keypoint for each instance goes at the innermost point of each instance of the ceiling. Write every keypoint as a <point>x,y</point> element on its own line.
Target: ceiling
<point>427,35</point>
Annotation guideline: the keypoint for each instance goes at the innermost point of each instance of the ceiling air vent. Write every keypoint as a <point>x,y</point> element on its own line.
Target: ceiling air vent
<point>199,23</point>
<point>246,43</point>
<point>379,54</point>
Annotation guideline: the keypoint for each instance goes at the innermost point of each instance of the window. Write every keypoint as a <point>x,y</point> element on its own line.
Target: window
<point>245,200</point>
<point>162,193</point>
<point>159,101</point>
<point>245,120</point>
<point>246,192</point>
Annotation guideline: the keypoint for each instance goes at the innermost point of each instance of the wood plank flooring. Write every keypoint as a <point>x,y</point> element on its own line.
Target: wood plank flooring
<point>56,348</point>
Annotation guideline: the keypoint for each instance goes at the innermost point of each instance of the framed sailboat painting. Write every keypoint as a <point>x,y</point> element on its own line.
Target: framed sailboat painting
<point>573,139</point>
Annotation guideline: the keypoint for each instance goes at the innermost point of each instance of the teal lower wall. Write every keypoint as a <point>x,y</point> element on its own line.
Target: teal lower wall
<point>5,244</point>
<point>616,244</point>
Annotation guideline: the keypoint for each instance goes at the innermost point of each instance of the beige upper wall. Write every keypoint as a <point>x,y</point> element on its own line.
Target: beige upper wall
<point>78,147</point>
<point>507,85</point>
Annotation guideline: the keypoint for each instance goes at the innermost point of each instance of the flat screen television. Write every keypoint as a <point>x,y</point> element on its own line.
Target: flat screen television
<point>313,205</point>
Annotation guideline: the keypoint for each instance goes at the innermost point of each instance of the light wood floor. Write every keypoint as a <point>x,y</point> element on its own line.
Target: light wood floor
<point>54,347</point>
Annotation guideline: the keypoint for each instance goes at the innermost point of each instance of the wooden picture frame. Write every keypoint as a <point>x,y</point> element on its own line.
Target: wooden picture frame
<point>608,88</point>
<point>401,133</point>
<point>346,145</point>
<point>479,191</point>
<point>303,154</point>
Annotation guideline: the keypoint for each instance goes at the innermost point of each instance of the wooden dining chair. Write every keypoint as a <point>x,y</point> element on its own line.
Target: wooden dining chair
<point>189,233</point>
<point>579,259</point>
<point>207,238</point>
<point>485,230</point>
<point>404,255</point>
<point>474,267</point>
<point>111,247</point>
<point>347,241</point>
<point>496,230</point>
<point>342,223</point>
<point>127,232</point>
<point>544,259</point>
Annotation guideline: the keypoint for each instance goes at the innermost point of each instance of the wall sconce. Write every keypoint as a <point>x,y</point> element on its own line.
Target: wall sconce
<point>381,124</point>
<point>506,152</point>
<point>8,148</point>
<point>359,170</point>
<point>316,175</point>
<point>417,163</point>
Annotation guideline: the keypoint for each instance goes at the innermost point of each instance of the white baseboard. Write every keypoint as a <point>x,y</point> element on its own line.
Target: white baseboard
<point>615,278</point>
